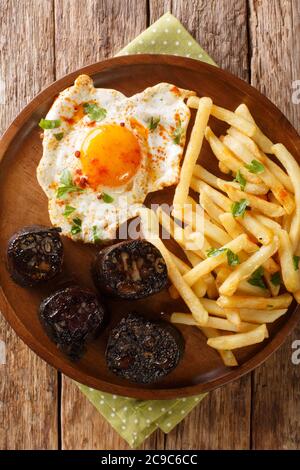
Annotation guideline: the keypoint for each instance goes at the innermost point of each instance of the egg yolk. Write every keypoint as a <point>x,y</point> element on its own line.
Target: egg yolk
<point>110,156</point>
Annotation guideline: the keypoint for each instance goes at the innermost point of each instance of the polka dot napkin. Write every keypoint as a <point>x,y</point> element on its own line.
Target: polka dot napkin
<point>134,419</point>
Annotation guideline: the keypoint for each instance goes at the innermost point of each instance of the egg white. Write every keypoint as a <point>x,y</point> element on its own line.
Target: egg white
<point>160,162</point>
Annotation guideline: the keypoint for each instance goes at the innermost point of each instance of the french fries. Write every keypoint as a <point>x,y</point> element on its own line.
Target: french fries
<point>227,158</point>
<point>292,168</point>
<point>193,149</point>
<point>239,340</point>
<point>244,270</point>
<point>239,301</point>
<point>213,322</point>
<point>265,207</point>
<point>148,222</point>
<point>210,263</point>
<point>262,140</point>
<point>280,193</point>
<point>228,116</point>
<point>245,249</point>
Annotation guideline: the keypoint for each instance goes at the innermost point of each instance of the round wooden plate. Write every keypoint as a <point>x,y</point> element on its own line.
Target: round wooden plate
<point>22,202</point>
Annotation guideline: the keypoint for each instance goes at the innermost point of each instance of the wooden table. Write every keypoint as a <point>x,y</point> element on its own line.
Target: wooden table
<point>41,40</point>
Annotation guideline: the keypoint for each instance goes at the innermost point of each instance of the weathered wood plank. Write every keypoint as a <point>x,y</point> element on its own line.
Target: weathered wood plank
<point>98,30</point>
<point>86,35</point>
<point>220,421</point>
<point>28,387</point>
<point>221,29</point>
<point>274,33</point>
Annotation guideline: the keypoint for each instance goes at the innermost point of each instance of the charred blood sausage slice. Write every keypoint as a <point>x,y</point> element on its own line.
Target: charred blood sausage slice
<point>71,317</point>
<point>130,270</point>
<point>35,255</point>
<point>143,351</point>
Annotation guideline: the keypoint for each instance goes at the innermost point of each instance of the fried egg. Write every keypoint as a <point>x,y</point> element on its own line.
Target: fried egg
<point>104,152</point>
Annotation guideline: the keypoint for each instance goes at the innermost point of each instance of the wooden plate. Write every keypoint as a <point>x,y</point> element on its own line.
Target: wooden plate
<point>22,202</point>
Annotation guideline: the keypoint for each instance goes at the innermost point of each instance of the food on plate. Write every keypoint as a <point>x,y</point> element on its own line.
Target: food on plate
<point>250,247</point>
<point>130,270</point>
<point>104,152</point>
<point>35,255</point>
<point>72,317</point>
<point>143,351</point>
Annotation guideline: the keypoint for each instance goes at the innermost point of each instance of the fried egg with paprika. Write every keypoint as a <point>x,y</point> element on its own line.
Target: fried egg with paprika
<point>104,152</point>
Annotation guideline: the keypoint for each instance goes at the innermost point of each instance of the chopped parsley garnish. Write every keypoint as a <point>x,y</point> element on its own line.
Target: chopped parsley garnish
<point>238,208</point>
<point>153,123</point>
<point>76,227</point>
<point>67,185</point>
<point>241,180</point>
<point>178,131</point>
<point>96,236</point>
<point>59,136</point>
<point>296,260</point>
<point>107,198</point>
<point>232,258</point>
<point>255,167</point>
<point>49,123</point>
<point>215,252</point>
<point>257,278</point>
<point>68,211</point>
<point>276,279</point>
<point>94,112</point>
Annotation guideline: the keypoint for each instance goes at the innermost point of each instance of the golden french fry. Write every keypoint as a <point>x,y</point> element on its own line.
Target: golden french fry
<point>213,322</point>
<point>290,277</point>
<point>262,140</point>
<point>209,264</point>
<point>245,269</point>
<point>251,315</point>
<point>267,208</point>
<point>225,156</point>
<point>216,196</point>
<point>228,116</point>
<point>210,207</point>
<point>261,316</point>
<point>182,267</point>
<point>192,153</point>
<point>259,155</point>
<point>239,340</point>
<point>241,301</point>
<point>148,221</point>
<point>257,229</point>
<point>204,175</point>
<point>233,316</point>
<point>224,169</point>
<point>293,170</point>
<point>280,193</point>
<point>251,188</point>
<point>234,230</point>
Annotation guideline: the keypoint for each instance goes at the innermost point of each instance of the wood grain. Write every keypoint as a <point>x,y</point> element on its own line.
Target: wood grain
<point>92,30</point>
<point>221,29</point>
<point>28,388</point>
<point>276,385</point>
<point>88,35</point>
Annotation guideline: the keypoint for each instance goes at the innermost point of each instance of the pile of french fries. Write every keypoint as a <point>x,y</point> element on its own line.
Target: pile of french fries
<point>233,283</point>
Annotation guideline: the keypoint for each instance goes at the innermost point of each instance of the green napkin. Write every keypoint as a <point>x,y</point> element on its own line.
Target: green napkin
<point>134,419</point>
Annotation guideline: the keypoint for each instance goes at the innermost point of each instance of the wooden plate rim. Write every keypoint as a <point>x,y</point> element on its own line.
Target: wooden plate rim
<point>70,370</point>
